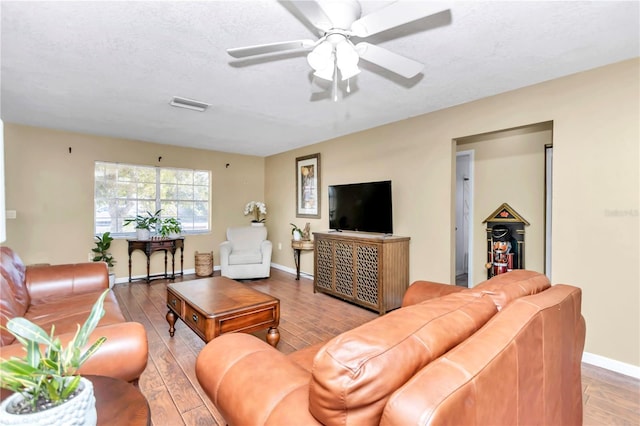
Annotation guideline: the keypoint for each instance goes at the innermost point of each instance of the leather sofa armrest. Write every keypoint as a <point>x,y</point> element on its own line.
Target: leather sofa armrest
<point>55,280</point>
<point>251,382</point>
<point>123,355</point>
<point>420,291</point>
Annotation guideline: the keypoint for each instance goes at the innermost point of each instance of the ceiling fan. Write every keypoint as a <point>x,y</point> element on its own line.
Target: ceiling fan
<point>334,54</point>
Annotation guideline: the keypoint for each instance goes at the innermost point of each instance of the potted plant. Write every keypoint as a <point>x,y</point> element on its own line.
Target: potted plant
<point>47,389</point>
<point>144,224</point>
<point>101,254</point>
<point>170,227</point>
<point>258,209</point>
<point>296,232</point>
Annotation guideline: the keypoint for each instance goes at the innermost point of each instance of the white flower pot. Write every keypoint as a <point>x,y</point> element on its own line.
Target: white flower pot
<point>297,236</point>
<point>173,235</point>
<point>257,223</point>
<point>79,411</point>
<point>143,234</point>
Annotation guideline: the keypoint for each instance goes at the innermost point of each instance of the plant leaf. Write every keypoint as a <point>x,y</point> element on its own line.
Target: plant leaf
<point>24,328</point>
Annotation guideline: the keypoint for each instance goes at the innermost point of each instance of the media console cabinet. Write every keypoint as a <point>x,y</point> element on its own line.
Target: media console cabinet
<point>371,270</point>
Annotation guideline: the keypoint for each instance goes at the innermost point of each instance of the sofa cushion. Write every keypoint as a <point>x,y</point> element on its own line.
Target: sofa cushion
<point>55,310</point>
<point>355,373</point>
<point>15,298</point>
<point>243,257</point>
<point>505,288</point>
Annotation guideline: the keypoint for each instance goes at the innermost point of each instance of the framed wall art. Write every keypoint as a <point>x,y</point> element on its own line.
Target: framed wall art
<point>308,186</point>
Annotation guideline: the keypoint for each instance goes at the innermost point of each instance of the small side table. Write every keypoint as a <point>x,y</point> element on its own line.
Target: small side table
<point>298,246</point>
<point>161,244</point>
<point>119,403</point>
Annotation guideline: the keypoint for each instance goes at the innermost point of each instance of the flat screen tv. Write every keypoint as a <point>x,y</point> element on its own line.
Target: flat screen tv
<point>362,207</point>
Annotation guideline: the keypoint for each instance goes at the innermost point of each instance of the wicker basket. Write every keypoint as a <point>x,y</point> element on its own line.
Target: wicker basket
<point>204,264</point>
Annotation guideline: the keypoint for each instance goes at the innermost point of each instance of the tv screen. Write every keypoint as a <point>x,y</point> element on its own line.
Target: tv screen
<point>362,207</point>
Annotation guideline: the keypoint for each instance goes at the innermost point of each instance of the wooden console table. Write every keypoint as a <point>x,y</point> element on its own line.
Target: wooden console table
<point>151,246</point>
<point>298,246</point>
<point>371,270</point>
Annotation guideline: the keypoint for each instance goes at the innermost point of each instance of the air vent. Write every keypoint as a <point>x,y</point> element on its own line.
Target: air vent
<point>188,103</point>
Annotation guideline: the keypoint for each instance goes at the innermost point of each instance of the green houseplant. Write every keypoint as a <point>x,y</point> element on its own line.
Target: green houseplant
<point>101,250</point>
<point>45,380</point>
<point>144,224</point>
<point>101,254</point>
<point>170,227</point>
<point>296,232</point>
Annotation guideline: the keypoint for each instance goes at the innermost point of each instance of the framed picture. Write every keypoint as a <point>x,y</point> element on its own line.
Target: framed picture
<point>308,186</point>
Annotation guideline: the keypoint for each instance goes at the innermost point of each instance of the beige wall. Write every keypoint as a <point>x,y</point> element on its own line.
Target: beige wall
<point>595,195</point>
<point>52,193</point>
<point>509,167</point>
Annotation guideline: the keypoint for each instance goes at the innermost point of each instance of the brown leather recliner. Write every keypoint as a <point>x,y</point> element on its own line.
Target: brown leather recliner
<point>63,295</point>
<point>505,352</point>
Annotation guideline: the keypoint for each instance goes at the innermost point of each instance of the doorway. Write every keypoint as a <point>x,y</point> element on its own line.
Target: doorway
<point>509,166</point>
<point>464,213</point>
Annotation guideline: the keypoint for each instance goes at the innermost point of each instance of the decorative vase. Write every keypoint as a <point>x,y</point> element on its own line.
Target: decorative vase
<point>257,223</point>
<point>297,236</point>
<point>78,411</point>
<point>143,234</point>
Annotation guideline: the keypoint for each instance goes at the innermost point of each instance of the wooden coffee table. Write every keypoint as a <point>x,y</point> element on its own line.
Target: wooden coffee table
<point>218,305</point>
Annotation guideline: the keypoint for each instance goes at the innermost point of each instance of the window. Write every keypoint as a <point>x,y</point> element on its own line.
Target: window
<point>123,191</point>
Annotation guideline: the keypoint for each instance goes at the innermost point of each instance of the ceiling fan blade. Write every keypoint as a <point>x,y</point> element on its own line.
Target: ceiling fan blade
<point>391,16</point>
<point>380,56</point>
<point>314,13</point>
<point>263,49</point>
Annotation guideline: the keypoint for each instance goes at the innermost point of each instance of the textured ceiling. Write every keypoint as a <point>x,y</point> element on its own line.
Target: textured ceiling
<point>111,68</point>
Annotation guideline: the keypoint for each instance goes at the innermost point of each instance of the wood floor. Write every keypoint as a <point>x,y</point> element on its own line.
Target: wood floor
<point>175,397</point>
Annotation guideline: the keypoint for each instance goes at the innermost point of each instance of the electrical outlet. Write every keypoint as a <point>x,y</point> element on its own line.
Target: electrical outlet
<point>90,257</point>
<point>279,246</point>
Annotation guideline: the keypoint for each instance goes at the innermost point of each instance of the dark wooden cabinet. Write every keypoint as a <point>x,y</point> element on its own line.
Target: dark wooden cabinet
<point>371,270</point>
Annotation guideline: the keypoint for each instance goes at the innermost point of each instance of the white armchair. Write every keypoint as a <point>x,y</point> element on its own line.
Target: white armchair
<point>246,253</point>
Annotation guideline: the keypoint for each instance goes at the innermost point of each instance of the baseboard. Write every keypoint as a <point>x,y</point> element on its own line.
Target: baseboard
<point>291,270</point>
<point>611,364</point>
<point>123,280</point>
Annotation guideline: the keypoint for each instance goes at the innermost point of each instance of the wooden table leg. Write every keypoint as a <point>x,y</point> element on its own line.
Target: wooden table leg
<point>148,268</point>
<point>129,266</point>
<point>273,336</point>
<point>296,260</point>
<point>171,319</point>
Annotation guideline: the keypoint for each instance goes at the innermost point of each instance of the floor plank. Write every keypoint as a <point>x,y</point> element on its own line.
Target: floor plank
<point>175,396</point>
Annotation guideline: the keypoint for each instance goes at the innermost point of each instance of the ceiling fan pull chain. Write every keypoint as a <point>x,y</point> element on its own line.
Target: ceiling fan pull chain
<point>335,82</point>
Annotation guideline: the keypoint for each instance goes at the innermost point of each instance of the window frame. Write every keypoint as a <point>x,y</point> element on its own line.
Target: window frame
<point>157,200</point>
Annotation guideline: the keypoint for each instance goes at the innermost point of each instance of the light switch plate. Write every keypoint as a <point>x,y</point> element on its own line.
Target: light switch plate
<point>10,214</point>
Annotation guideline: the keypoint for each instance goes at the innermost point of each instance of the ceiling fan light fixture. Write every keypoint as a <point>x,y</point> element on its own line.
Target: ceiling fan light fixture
<point>349,72</point>
<point>320,57</point>
<point>326,73</point>
<point>347,59</point>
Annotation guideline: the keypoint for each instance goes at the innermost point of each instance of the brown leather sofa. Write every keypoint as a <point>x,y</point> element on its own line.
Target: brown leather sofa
<point>505,352</point>
<point>63,295</point>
